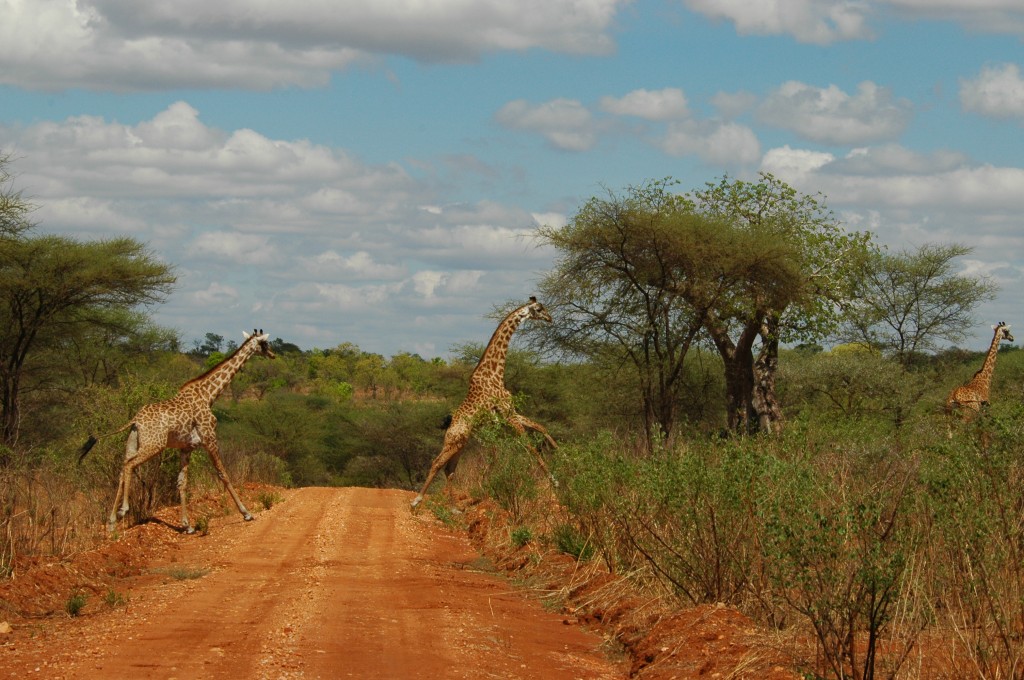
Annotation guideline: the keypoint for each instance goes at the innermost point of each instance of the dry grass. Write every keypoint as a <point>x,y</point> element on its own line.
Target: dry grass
<point>54,511</point>
<point>44,515</point>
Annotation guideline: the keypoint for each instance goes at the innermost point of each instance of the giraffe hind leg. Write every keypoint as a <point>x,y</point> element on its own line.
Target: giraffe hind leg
<point>131,453</point>
<point>454,440</point>
<point>114,515</point>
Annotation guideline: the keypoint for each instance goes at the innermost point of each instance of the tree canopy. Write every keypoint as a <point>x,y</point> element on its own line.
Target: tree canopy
<point>911,300</point>
<point>54,289</point>
<point>801,302</point>
<point>643,276</point>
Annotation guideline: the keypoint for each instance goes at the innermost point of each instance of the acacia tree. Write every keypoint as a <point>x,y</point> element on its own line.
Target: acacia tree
<point>911,300</point>
<point>641,275</point>
<point>804,306</point>
<point>53,288</point>
<point>618,296</point>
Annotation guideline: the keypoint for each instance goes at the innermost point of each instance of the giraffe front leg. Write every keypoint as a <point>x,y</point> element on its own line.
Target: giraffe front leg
<point>520,423</point>
<point>186,457</point>
<point>213,449</point>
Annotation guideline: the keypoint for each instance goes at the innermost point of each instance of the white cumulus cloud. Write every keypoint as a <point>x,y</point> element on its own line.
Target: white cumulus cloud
<point>819,22</point>
<point>667,104</point>
<point>831,116</point>
<point>998,91</point>
<point>717,143</point>
<point>990,16</point>
<point>124,45</point>
<point>565,123</point>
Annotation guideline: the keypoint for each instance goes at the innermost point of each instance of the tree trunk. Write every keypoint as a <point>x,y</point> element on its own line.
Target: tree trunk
<point>765,401</point>
<point>738,390</point>
<point>738,359</point>
<point>10,417</point>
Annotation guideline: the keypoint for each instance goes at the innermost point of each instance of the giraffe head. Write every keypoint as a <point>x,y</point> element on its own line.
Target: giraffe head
<point>262,343</point>
<point>536,310</point>
<point>1003,331</point>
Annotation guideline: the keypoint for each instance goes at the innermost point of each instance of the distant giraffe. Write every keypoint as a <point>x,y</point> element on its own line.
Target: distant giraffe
<point>183,422</point>
<point>487,393</point>
<point>973,394</point>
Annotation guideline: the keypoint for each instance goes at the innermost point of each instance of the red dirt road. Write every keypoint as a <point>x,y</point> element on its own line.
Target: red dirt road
<point>329,583</point>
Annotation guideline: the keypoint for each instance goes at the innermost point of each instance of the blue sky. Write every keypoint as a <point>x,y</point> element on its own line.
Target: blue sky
<point>372,171</point>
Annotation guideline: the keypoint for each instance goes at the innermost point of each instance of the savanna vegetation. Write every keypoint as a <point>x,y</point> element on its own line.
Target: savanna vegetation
<point>711,447</point>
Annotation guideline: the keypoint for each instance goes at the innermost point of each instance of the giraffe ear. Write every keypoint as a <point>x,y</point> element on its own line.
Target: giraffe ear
<point>247,336</point>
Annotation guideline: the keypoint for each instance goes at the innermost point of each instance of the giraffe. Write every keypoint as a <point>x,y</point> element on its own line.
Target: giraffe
<point>184,422</point>
<point>973,394</point>
<point>488,394</point>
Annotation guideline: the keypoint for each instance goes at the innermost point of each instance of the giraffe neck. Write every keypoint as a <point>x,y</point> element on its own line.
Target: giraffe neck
<point>492,361</point>
<point>212,383</point>
<point>983,377</point>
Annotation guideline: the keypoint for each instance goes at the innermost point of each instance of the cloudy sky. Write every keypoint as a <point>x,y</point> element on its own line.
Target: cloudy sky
<point>371,171</point>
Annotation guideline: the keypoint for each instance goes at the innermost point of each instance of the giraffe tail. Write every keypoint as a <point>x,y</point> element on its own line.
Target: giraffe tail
<point>93,439</point>
<point>86,448</point>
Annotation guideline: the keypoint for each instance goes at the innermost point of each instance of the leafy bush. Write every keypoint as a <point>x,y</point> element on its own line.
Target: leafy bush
<point>75,604</point>
<point>510,478</point>
<point>975,508</point>
<point>568,539</point>
<point>520,536</point>
<point>115,599</point>
<point>268,499</point>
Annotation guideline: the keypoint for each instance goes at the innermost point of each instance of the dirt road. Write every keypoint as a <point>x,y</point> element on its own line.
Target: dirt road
<point>328,583</point>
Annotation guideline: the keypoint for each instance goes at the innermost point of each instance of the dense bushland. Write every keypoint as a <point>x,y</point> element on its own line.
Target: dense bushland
<point>894,543</point>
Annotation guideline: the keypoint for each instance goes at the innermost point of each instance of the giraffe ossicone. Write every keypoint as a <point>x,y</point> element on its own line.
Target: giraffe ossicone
<point>184,422</point>
<point>487,393</point>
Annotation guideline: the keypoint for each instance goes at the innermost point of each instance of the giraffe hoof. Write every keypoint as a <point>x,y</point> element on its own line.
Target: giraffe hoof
<point>247,517</point>
<point>415,502</point>
<point>190,530</point>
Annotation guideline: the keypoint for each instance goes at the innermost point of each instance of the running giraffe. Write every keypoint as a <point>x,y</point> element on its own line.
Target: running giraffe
<point>487,393</point>
<point>973,394</point>
<point>184,422</point>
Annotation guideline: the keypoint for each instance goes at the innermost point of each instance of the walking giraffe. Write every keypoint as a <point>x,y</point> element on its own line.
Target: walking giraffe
<point>487,393</point>
<point>184,422</point>
<point>973,394</point>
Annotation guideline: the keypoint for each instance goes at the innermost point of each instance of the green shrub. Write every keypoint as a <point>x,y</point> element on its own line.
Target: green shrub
<point>443,512</point>
<point>510,479</point>
<point>521,535</point>
<point>268,499</point>
<point>114,599</point>
<point>75,604</point>
<point>975,511</point>
<point>569,540</point>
